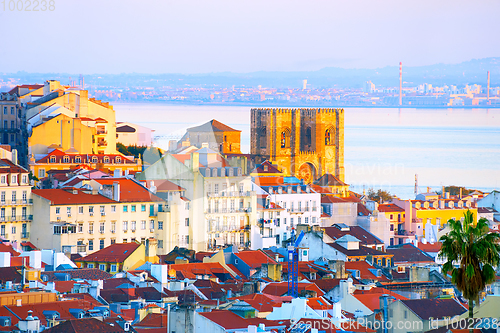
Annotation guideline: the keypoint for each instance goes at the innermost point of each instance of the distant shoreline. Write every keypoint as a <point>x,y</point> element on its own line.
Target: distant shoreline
<point>265,105</point>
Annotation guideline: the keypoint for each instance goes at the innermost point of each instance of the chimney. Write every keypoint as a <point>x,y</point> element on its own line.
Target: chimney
<point>116,191</point>
<point>117,173</point>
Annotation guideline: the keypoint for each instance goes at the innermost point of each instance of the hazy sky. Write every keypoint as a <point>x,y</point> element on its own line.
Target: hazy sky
<point>190,36</point>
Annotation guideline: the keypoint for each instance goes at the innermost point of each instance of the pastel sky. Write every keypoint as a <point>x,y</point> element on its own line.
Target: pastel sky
<point>203,36</point>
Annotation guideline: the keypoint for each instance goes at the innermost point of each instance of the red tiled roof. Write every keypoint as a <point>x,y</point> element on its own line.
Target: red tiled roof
<point>408,253</point>
<point>255,259</point>
<point>436,308</point>
<point>281,288</point>
<point>366,238</point>
<point>389,208</point>
<point>329,180</point>
<point>212,126</point>
<point>154,320</point>
<point>327,284</point>
<point>264,302</point>
<point>85,158</point>
<point>163,185</point>
<point>231,321</point>
<point>182,157</point>
<point>117,252</point>
<point>66,286</point>
<point>130,191</point>
<point>430,247</point>
<point>8,248</point>
<point>371,299</point>
<point>364,270</point>
<point>7,166</point>
<point>66,197</point>
<point>85,325</point>
<point>260,169</point>
<point>191,270</point>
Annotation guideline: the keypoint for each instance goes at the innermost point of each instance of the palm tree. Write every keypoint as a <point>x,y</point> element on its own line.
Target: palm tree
<point>475,250</point>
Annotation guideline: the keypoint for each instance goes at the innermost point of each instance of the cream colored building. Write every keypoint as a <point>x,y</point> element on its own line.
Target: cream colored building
<point>15,202</point>
<point>111,210</point>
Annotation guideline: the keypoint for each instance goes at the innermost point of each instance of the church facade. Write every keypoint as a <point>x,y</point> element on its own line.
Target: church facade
<point>305,143</point>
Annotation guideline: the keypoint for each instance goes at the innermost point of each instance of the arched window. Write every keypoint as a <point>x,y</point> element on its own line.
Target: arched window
<point>94,159</point>
<point>308,138</point>
<point>106,159</point>
<point>329,133</point>
<point>118,159</point>
<point>65,159</point>
<point>285,138</point>
<point>52,159</point>
<point>78,159</point>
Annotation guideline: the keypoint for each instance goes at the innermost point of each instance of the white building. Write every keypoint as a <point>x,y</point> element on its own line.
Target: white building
<point>130,134</point>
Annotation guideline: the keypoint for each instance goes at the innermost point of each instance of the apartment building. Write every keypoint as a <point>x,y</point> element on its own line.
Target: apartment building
<point>15,202</point>
<point>110,210</point>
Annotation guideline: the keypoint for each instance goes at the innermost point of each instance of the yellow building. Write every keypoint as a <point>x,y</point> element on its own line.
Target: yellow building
<point>59,160</point>
<point>15,202</point>
<point>70,134</point>
<point>306,143</point>
<point>396,216</point>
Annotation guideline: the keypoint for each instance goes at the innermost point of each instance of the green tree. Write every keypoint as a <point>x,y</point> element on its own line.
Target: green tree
<point>472,252</point>
<point>376,196</point>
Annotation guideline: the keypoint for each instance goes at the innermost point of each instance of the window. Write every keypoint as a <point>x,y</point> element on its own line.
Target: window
<point>186,222</point>
<point>58,210</point>
<point>306,220</point>
<point>91,227</point>
<point>14,196</point>
<point>66,159</point>
<point>101,227</point>
<point>314,220</point>
<point>125,208</point>
<point>13,230</point>
<point>52,159</point>
<point>132,208</point>
<point>80,210</point>
<point>160,225</point>
<point>113,209</point>
<point>78,159</point>
<point>143,208</point>
<point>2,214</point>
<point>2,230</point>
<point>102,210</point>
<point>106,159</point>
<point>12,125</point>
<point>392,227</point>
<point>101,245</point>
<point>13,213</point>
<point>113,227</point>
<point>91,248</point>
<point>41,173</point>
<point>25,179</point>
<point>124,240</point>
<point>132,225</point>
<point>2,197</point>
<point>187,239</point>
<point>118,159</point>
<point>113,268</point>
<point>143,225</point>
<point>160,244</point>
<point>4,110</point>
<point>68,210</point>
<point>391,216</point>
<point>113,240</point>
<point>152,225</point>
<point>11,110</point>
<point>125,226</point>
<point>102,267</point>
<point>94,159</point>
<point>216,189</point>
<point>91,210</point>
<point>14,179</point>
<point>80,227</point>
<point>90,265</point>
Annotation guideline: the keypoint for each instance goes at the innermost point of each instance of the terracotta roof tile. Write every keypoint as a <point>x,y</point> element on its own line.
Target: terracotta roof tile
<point>117,252</point>
<point>71,197</point>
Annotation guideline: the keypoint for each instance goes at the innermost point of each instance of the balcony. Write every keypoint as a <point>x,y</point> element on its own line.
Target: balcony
<point>101,132</point>
<point>25,235</point>
<point>16,202</point>
<point>17,218</point>
<point>102,143</point>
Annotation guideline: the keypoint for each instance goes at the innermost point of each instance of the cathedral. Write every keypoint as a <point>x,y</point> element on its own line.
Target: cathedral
<point>305,143</point>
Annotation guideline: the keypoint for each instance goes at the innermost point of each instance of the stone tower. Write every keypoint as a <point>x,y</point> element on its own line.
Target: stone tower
<point>306,143</point>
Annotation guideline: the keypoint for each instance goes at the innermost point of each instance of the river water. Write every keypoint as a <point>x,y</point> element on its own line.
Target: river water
<point>384,147</point>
